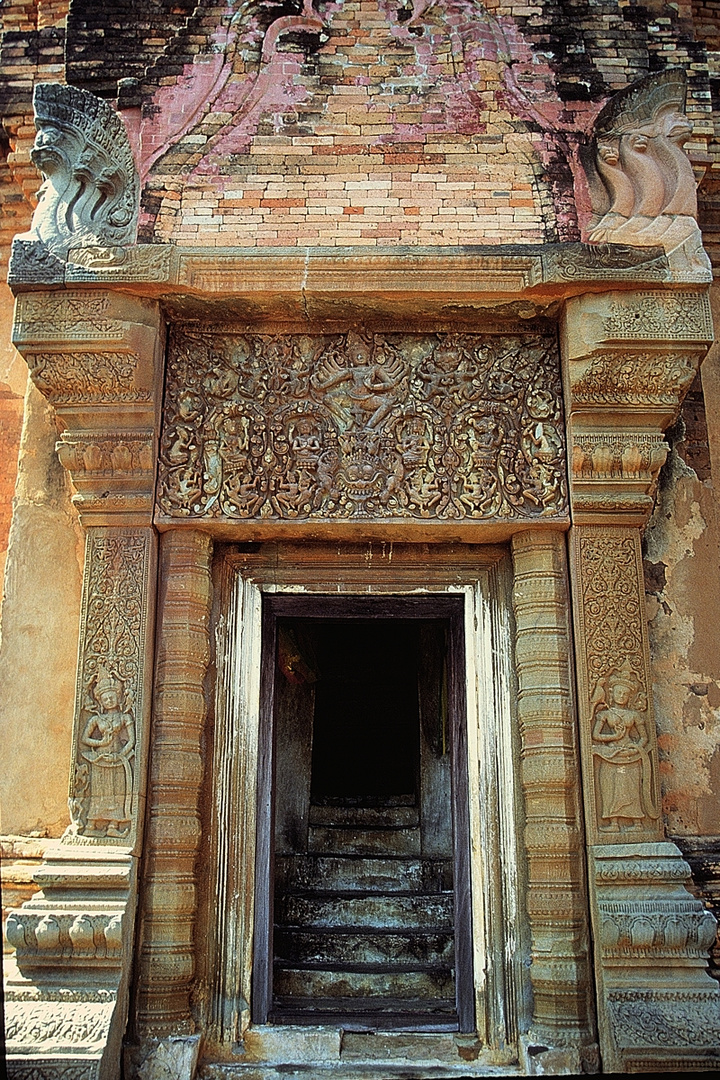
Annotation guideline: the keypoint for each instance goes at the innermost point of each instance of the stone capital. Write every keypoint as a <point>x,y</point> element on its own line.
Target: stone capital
<point>628,360</point>
<point>97,358</point>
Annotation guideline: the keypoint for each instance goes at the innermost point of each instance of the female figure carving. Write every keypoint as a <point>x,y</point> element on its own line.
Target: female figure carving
<point>624,768</point>
<point>107,745</point>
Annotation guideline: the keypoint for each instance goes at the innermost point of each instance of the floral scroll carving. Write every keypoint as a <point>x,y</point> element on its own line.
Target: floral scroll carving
<point>104,784</point>
<point>620,723</point>
<point>362,425</point>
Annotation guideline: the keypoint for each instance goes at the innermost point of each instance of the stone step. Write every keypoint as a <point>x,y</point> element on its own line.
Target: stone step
<point>354,1071</point>
<point>318,947</point>
<point>366,817</point>
<point>357,1008</point>
<point>394,982</point>
<point>356,874</point>
<point>334,840</point>
<point>374,910</point>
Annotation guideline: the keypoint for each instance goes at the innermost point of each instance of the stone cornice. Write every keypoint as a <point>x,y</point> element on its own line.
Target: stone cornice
<point>322,283</point>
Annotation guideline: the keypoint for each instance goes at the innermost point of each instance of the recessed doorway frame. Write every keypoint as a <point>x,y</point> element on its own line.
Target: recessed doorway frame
<point>447,607</point>
<point>482,576</point>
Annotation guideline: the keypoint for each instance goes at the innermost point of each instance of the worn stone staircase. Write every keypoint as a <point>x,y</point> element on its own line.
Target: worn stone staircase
<point>364,924</point>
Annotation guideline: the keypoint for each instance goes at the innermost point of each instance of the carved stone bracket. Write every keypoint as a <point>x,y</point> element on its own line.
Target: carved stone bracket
<point>648,923</point>
<point>629,360</point>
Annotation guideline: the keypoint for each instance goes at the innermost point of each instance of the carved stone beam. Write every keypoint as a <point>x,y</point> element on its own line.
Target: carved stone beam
<point>628,359</point>
<point>96,357</point>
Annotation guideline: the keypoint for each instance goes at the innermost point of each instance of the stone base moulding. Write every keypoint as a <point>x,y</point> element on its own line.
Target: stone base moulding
<point>66,994</point>
<point>657,1006</point>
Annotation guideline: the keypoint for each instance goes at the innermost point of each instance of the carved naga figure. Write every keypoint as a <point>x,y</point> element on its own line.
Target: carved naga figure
<point>90,190</point>
<point>641,181</point>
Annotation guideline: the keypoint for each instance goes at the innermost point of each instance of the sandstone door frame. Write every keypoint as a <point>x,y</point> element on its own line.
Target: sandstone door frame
<point>629,351</point>
<point>479,576</point>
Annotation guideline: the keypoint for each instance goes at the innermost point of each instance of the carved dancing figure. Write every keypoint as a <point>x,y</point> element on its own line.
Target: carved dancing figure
<point>107,745</point>
<point>625,775</point>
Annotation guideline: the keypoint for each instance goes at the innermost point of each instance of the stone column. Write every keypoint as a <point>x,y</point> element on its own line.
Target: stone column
<point>167,946</point>
<point>562,1037</point>
<point>628,360</point>
<point>96,356</point>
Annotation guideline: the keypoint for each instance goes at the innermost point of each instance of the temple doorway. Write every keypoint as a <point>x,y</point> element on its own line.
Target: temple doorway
<point>362,915</point>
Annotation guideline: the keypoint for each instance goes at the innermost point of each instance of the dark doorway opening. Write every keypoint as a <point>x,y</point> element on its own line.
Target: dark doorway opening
<point>362,891</point>
<point>365,723</point>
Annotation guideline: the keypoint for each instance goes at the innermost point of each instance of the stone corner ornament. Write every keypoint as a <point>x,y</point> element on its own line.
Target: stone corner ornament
<point>642,187</point>
<point>90,194</point>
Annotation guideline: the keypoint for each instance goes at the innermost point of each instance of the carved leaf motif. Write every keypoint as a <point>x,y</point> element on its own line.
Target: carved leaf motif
<point>441,426</point>
<point>651,378</point>
<point>86,376</point>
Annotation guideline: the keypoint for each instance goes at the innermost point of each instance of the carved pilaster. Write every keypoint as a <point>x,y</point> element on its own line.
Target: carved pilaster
<point>167,939</point>
<point>617,724</point>
<point>557,901</point>
<point>655,999</point>
<point>95,356</point>
<point>74,938</point>
<point>629,358</point>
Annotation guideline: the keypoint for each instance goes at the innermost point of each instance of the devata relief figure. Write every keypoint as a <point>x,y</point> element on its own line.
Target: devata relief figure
<point>107,746</point>
<point>642,184</point>
<point>620,747</point>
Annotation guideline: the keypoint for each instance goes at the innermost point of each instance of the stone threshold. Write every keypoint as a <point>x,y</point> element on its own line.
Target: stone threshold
<point>334,1052</point>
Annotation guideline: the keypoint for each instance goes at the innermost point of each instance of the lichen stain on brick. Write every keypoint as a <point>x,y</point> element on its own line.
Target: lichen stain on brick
<point>683,597</point>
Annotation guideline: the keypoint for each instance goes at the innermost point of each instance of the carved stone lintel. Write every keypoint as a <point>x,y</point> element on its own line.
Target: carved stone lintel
<point>647,923</point>
<point>361,427</point>
<point>629,360</point>
<point>642,185</point>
